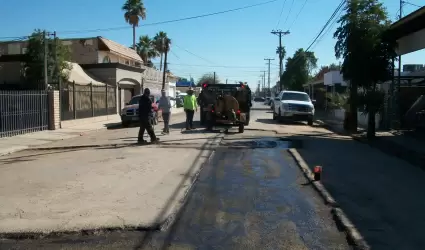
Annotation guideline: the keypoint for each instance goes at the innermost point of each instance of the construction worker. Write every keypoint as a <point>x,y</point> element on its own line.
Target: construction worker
<point>165,105</point>
<point>190,106</point>
<point>145,116</point>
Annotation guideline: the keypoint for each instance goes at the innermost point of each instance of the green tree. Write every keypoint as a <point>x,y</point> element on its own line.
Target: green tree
<point>207,78</point>
<point>134,12</point>
<point>367,55</point>
<point>325,69</point>
<point>282,52</point>
<point>146,49</point>
<point>162,45</point>
<point>298,69</point>
<point>58,59</point>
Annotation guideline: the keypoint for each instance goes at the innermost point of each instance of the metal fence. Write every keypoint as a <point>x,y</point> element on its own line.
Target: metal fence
<point>84,101</point>
<point>23,111</point>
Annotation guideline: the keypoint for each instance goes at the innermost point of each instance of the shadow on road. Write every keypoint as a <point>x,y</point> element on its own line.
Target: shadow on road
<point>271,121</point>
<point>117,125</point>
<point>379,193</point>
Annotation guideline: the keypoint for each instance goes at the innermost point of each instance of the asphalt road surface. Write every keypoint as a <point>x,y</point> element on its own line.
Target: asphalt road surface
<point>251,195</point>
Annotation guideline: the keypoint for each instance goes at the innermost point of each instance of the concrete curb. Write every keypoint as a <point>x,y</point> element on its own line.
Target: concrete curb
<point>353,235</point>
<point>84,146</point>
<point>57,234</point>
<point>13,150</point>
<point>329,200</point>
<point>29,147</point>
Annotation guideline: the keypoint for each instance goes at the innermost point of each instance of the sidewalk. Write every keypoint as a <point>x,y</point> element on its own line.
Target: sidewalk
<point>110,186</point>
<point>391,142</point>
<point>13,144</point>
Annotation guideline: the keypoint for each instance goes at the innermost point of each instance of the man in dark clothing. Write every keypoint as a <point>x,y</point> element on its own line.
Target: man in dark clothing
<point>145,116</point>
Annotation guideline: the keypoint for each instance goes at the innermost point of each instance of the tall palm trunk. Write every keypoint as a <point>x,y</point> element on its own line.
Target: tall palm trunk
<point>134,36</point>
<point>160,63</point>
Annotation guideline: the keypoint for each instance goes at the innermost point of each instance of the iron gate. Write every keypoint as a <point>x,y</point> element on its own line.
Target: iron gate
<point>23,111</point>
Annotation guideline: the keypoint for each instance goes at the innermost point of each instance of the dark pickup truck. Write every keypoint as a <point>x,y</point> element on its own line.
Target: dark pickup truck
<point>225,105</point>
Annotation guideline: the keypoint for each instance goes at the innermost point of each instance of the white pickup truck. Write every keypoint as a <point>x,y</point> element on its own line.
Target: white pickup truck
<point>293,105</point>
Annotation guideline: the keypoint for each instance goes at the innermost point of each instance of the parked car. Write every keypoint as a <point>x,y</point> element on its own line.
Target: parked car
<point>130,112</point>
<point>293,105</point>
<point>259,99</point>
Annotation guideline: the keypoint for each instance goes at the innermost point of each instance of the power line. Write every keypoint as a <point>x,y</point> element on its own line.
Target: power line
<point>298,14</point>
<point>218,66</point>
<point>168,21</point>
<point>327,23</point>
<point>328,29</point>
<point>412,4</point>
<point>174,54</point>
<point>331,18</point>
<point>193,54</point>
<point>289,13</point>
<point>280,15</point>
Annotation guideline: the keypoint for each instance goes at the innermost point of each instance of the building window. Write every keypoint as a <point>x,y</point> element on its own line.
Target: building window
<point>106,59</point>
<point>127,62</point>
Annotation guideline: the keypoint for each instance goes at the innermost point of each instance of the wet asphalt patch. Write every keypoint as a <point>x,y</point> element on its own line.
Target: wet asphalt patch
<point>261,143</point>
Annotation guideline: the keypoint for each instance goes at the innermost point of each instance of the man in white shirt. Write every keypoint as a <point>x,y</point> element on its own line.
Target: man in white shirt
<point>165,105</point>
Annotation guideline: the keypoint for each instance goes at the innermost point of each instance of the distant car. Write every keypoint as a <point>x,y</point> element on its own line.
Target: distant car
<point>259,99</point>
<point>267,101</point>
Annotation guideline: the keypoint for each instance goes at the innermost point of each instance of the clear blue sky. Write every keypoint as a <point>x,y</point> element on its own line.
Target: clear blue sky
<point>233,45</point>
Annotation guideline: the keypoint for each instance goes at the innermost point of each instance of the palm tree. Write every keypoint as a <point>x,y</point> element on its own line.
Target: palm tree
<point>161,45</point>
<point>134,11</point>
<point>281,51</point>
<point>146,49</point>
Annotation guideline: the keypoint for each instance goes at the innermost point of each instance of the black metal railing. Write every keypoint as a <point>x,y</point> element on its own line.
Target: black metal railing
<point>84,101</point>
<point>23,111</point>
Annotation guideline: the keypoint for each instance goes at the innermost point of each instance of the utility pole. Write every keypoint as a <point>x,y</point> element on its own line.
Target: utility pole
<point>214,78</point>
<point>398,113</point>
<point>167,47</point>
<point>280,33</point>
<point>263,82</point>
<point>226,81</point>
<point>46,79</point>
<point>268,85</point>
<point>258,88</point>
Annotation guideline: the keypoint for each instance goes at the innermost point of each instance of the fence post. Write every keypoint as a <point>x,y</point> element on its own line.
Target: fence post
<point>91,99</point>
<point>106,99</point>
<point>74,102</point>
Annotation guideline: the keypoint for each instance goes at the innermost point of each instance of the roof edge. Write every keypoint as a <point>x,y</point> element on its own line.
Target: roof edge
<point>411,16</point>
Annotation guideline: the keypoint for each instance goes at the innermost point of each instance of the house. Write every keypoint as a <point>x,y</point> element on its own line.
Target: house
<point>105,60</point>
<point>98,60</point>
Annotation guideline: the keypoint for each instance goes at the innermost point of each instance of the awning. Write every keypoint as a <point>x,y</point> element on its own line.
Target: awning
<point>121,50</point>
<point>80,77</point>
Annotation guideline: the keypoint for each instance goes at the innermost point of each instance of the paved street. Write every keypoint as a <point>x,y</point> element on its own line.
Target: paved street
<point>250,195</point>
